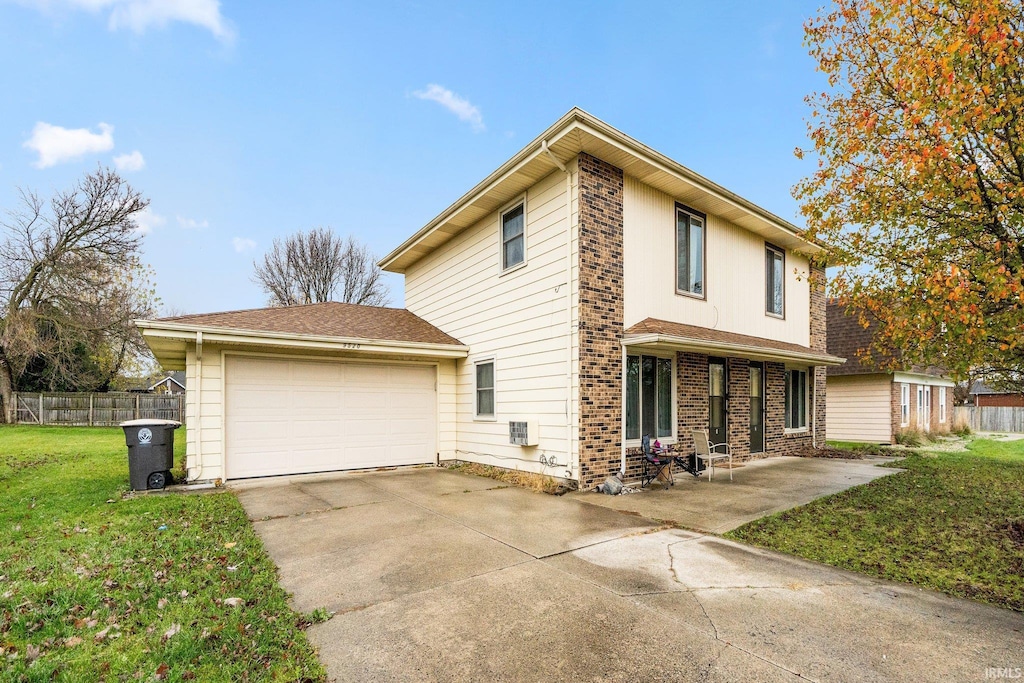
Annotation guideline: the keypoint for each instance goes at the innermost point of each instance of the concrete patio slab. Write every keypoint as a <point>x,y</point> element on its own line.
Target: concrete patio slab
<point>759,488</point>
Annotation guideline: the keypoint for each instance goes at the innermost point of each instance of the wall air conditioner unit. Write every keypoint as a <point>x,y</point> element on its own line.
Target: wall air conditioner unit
<point>523,433</point>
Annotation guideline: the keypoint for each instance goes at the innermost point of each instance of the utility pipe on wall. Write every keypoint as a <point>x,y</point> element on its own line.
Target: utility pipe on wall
<point>199,404</point>
<point>568,302</point>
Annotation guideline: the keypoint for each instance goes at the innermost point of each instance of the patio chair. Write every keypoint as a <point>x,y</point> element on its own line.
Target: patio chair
<point>655,464</point>
<point>709,451</point>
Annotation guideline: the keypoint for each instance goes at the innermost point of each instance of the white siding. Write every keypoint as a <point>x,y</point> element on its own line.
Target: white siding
<point>207,463</point>
<point>519,319</point>
<point>859,408</point>
<point>734,274</point>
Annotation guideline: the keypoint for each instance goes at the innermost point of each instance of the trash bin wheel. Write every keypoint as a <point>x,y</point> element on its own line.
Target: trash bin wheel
<point>157,480</point>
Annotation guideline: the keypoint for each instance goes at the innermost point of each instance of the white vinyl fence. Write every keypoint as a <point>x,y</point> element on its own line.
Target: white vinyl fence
<point>96,410</point>
<point>990,418</point>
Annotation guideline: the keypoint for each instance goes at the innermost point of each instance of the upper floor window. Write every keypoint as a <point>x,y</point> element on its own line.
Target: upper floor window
<point>513,237</point>
<point>689,252</point>
<point>775,287</point>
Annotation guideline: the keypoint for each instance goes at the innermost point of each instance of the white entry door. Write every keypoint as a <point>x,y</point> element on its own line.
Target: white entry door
<point>296,416</point>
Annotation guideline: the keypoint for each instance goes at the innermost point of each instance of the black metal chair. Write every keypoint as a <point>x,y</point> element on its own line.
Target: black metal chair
<point>655,464</point>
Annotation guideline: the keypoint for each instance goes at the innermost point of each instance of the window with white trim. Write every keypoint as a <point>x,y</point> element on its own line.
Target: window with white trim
<point>648,397</point>
<point>774,281</point>
<point>513,236</point>
<point>689,252</point>
<point>904,405</point>
<point>942,404</point>
<point>485,389</point>
<point>796,399</point>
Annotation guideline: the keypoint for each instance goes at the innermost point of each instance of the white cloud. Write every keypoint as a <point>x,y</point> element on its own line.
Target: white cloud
<point>243,244</point>
<point>192,223</point>
<point>460,106</point>
<point>130,162</point>
<point>56,145</point>
<point>148,221</point>
<point>140,15</point>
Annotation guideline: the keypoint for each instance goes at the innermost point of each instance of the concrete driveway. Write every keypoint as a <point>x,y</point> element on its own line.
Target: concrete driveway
<point>435,575</point>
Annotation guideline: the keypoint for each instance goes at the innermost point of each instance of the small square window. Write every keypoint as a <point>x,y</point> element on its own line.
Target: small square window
<point>513,237</point>
<point>775,284</point>
<point>485,389</point>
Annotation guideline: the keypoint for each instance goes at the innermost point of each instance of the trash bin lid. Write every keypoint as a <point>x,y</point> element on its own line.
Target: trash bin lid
<point>151,423</point>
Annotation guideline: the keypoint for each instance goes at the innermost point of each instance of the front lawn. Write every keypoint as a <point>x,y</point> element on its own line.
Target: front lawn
<point>953,522</point>
<point>96,585</point>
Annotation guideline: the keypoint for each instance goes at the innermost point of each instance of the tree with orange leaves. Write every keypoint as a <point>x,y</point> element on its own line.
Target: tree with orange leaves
<point>919,187</point>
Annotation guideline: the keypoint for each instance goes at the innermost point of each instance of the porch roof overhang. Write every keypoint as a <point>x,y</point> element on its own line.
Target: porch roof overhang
<point>169,342</point>
<point>663,335</point>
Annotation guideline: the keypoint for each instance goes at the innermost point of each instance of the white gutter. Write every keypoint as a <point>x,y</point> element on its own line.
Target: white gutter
<point>745,350</point>
<point>568,304</point>
<point>198,408</point>
<point>225,335</point>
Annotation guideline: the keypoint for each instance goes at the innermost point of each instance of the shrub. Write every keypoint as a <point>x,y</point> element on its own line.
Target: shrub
<point>911,438</point>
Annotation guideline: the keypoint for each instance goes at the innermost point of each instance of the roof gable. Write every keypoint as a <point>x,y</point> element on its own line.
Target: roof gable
<point>572,134</point>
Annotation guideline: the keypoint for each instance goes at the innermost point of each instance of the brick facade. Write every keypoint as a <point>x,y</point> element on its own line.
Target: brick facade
<point>601,359</point>
<point>600,319</point>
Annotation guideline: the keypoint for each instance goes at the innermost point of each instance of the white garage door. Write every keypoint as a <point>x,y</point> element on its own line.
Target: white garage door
<point>291,416</point>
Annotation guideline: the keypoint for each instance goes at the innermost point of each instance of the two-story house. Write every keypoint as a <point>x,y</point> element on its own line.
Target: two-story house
<point>587,292</point>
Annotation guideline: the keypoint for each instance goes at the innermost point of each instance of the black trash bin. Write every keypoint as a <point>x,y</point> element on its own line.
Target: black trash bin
<point>150,452</point>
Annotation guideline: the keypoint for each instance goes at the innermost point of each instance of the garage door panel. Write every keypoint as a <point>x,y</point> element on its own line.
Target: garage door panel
<point>289,416</point>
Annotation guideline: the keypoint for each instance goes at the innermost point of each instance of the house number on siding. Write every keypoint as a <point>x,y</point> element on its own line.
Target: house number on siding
<point>350,346</point>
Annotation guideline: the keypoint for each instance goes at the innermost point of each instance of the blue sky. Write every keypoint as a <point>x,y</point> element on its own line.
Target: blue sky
<point>246,121</point>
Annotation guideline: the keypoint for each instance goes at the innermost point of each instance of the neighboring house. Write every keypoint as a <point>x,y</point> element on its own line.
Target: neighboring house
<point>872,405</point>
<point>588,291</point>
<point>982,395</point>
<point>173,383</point>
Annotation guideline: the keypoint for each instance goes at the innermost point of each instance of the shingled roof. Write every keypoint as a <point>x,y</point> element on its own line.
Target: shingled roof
<point>705,334</point>
<point>849,339</point>
<point>331,319</point>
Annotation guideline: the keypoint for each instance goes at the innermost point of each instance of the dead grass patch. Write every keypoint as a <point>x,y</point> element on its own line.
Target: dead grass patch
<point>526,480</point>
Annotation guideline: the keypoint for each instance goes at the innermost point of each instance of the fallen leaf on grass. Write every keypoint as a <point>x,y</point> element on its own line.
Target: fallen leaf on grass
<point>232,544</point>
<point>73,641</point>
<point>171,632</point>
<point>184,594</point>
<point>31,653</point>
<point>101,635</point>
<point>162,671</point>
<point>161,603</point>
<point>234,602</point>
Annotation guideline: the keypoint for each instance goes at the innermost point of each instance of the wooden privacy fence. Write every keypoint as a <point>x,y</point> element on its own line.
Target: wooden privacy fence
<point>990,418</point>
<point>96,410</point>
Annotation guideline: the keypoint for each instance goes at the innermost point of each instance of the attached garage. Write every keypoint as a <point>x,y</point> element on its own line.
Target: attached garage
<point>305,389</point>
<point>295,416</point>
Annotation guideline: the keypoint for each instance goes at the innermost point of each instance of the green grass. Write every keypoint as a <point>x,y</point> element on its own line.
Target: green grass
<point>96,585</point>
<point>953,522</point>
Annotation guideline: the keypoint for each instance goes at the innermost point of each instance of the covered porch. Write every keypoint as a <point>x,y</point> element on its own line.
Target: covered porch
<point>763,397</point>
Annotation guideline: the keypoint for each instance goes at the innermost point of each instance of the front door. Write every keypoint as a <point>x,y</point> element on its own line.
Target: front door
<point>756,408</point>
<point>718,404</point>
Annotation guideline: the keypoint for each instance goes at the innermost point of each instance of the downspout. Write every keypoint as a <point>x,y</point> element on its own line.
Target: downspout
<point>814,410</point>
<point>568,302</point>
<point>199,404</point>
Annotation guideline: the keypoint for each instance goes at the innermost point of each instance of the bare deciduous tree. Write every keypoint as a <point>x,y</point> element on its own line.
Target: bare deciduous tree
<point>317,266</point>
<point>71,285</point>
